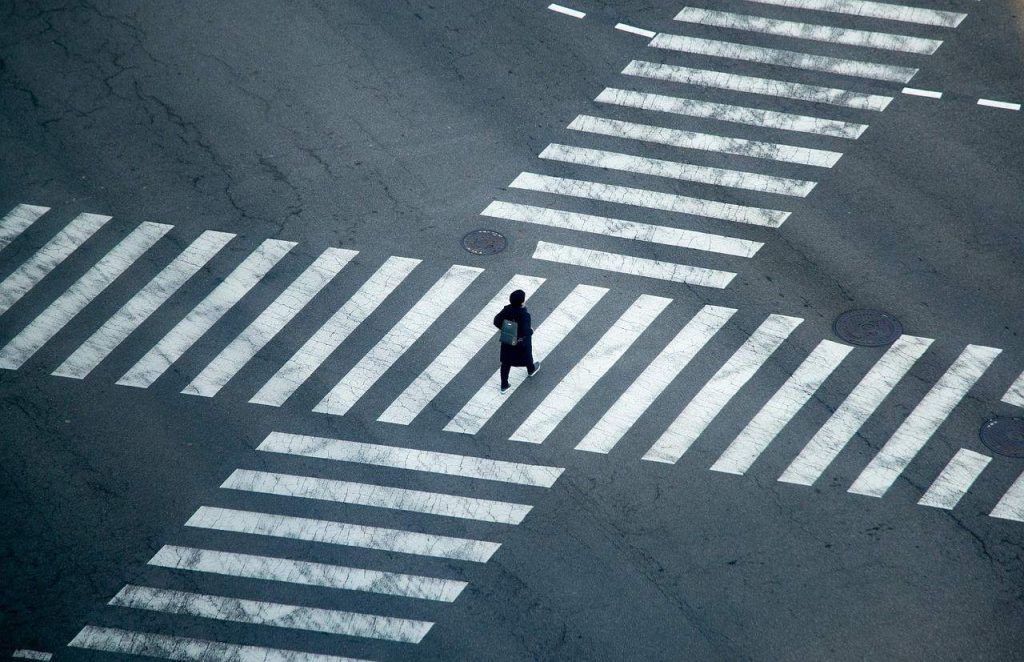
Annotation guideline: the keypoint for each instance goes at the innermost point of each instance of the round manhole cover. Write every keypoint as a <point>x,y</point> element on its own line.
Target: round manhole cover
<point>484,242</point>
<point>1004,436</point>
<point>868,328</point>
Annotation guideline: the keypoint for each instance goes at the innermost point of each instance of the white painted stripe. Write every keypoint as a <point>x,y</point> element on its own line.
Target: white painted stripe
<point>865,398</point>
<point>270,322</point>
<point>814,32</point>
<point>720,389</point>
<point>616,227</point>
<point>1015,394</point>
<point>47,258</point>
<point>635,30</point>
<point>1005,105</point>
<point>782,58</point>
<point>599,158</point>
<point>924,421</point>
<point>128,642</point>
<point>634,266</point>
<point>736,114</point>
<point>922,93</point>
<point>145,302</point>
<point>17,221</point>
<point>453,358</point>
<point>26,654</point>
<point>954,481</point>
<point>342,533</point>
<point>329,337</point>
<point>901,13</point>
<point>655,378</point>
<point>377,496</point>
<point>400,338</point>
<point>1011,505</point>
<point>704,141</point>
<point>781,408</point>
<point>449,464</point>
<point>752,85</point>
<point>306,573</point>
<point>202,318</point>
<point>80,294</point>
<point>638,197</point>
<point>590,369</point>
<point>567,11</point>
<point>272,614</point>
<point>475,413</point>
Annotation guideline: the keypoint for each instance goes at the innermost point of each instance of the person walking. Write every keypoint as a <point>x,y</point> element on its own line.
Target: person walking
<point>516,338</point>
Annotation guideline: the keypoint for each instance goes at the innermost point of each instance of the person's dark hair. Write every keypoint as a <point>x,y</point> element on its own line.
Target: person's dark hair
<point>517,298</point>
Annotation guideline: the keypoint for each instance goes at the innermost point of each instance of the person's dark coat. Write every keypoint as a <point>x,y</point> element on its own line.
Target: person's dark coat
<point>520,354</point>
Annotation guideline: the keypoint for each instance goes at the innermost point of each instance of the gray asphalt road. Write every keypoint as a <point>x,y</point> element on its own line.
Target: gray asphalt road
<point>386,131</point>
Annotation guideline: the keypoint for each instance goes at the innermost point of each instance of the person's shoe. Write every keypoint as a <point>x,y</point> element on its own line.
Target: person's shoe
<point>505,388</point>
<point>536,369</point>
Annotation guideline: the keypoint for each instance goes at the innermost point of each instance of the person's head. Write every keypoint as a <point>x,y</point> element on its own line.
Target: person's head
<point>517,298</point>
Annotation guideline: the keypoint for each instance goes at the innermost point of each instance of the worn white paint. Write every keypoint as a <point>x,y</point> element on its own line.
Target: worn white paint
<point>889,12</point>
<point>954,481</point>
<point>17,221</point>
<point>1011,505</point>
<point>1015,394</point>
<point>28,654</point>
<point>635,266</point>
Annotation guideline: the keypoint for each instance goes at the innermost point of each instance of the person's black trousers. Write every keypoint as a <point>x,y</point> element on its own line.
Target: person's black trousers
<point>507,368</point>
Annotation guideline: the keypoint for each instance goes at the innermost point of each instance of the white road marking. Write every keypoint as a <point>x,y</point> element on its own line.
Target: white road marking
<point>310,574</point>
<point>858,406</point>
<point>720,389</point>
<point>575,13</point>
<point>615,227</point>
<point>751,181</point>
<point>814,32</point>
<point>1011,505</point>
<point>924,421</point>
<point>638,197</point>
<point>904,14</point>
<point>954,481</point>
<point>395,457</point>
<point>453,358</point>
<point>655,378</point>
<point>329,337</point>
<point>145,302</point>
<point>26,654</point>
<point>1005,105</point>
<point>342,533</point>
<point>589,370</point>
<point>782,58</point>
<point>736,114</point>
<point>1015,394</point>
<point>704,141</point>
<point>128,642</point>
<point>922,93</point>
<point>752,85</point>
<point>475,413</point>
<point>634,30</point>
<point>272,614</point>
<point>635,266</point>
<point>80,294</point>
<point>202,318</point>
<point>47,258</point>
<point>269,323</point>
<point>17,221</point>
<point>781,408</point>
<point>397,341</point>
<point>377,496</point>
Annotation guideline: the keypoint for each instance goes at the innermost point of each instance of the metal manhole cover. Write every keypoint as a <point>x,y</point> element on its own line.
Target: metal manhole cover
<point>868,328</point>
<point>1004,436</point>
<point>484,242</point>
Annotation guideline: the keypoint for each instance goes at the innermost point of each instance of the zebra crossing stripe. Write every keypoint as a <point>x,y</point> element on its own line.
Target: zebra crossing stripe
<point>720,389</point>
<point>782,58</point>
<point>924,421</point>
<point>397,341</point>
<point>636,266</point>
<point>901,13</point>
<point>130,642</point>
<point>26,654</point>
<point>781,408</point>
<point>486,401</point>
<point>202,318</point>
<point>276,569</point>
<point>138,309</point>
<point>704,141</point>
<point>47,258</point>
<point>17,221</point>
<point>342,533</point>
<point>827,33</point>
<point>655,378</point>
<point>377,496</point>
<point>954,481</point>
<point>459,352</point>
<point>1015,394</point>
<point>586,373</point>
<point>865,398</point>
<point>273,614</point>
<point>79,295</point>
<point>329,337</point>
<point>1011,505</point>
<point>396,457</point>
<point>269,323</point>
<point>723,112</point>
<point>753,85</point>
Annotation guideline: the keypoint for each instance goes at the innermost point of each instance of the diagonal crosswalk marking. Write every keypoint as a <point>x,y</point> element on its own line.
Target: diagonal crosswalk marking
<point>1015,394</point>
<point>889,12</point>
<point>954,481</point>
<point>636,266</point>
<point>17,221</point>
<point>1011,504</point>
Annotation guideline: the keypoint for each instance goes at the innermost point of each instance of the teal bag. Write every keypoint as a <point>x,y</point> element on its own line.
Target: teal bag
<point>509,332</point>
